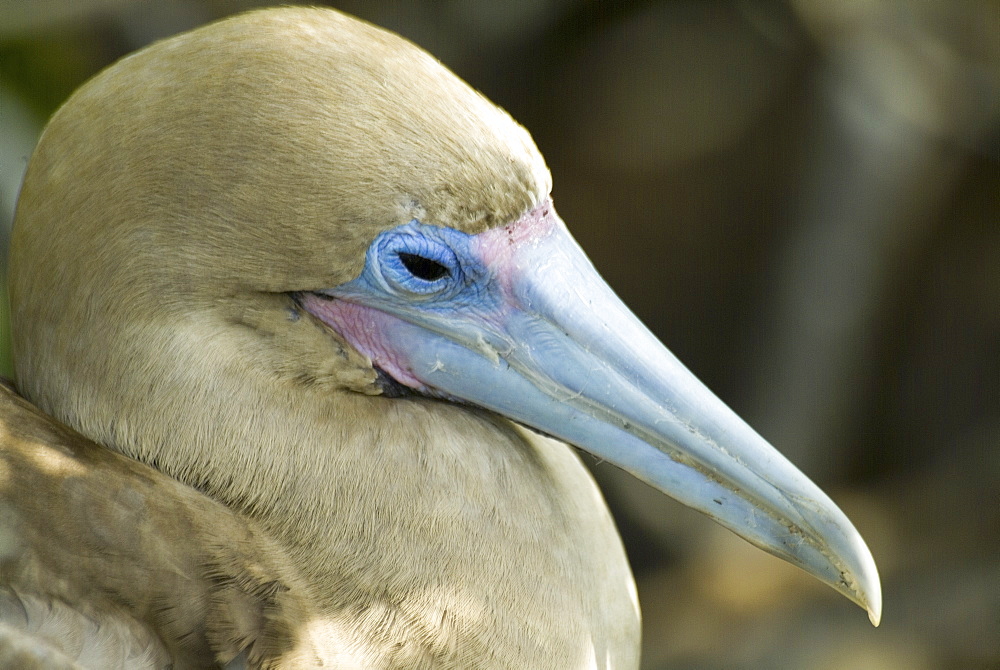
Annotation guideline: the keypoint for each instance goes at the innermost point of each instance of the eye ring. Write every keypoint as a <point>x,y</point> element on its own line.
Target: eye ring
<point>417,264</point>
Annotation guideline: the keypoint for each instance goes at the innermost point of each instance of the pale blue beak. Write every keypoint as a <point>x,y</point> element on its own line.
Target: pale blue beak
<point>518,321</point>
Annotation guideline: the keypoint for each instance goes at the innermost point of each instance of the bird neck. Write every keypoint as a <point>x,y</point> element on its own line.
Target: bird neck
<point>451,523</point>
<point>421,529</point>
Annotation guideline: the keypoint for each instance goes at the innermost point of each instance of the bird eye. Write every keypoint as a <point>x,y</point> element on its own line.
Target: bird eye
<point>413,260</point>
<point>423,268</point>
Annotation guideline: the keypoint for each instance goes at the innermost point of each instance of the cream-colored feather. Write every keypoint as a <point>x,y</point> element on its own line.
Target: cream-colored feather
<point>172,206</point>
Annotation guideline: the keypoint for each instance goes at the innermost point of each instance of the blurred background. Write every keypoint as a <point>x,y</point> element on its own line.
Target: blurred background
<point>801,198</point>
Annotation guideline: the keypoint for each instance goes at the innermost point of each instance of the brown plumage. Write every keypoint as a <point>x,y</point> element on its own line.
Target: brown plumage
<point>172,205</point>
<point>117,565</point>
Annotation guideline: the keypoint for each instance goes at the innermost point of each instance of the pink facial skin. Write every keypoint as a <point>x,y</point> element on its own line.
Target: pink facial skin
<point>496,248</point>
<point>364,328</point>
<point>367,329</point>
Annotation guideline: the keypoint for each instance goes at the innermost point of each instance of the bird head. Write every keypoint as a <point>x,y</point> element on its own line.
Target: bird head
<point>297,201</point>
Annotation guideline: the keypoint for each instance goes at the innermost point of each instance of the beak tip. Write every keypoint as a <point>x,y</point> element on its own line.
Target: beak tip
<point>875,615</point>
<point>867,588</point>
<point>873,602</point>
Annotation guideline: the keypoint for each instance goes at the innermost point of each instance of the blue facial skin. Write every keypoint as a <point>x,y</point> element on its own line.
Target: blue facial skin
<point>466,283</point>
<point>467,289</point>
<point>552,347</point>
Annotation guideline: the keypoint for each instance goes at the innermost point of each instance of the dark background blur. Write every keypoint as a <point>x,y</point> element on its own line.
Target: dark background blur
<point>801,199</point>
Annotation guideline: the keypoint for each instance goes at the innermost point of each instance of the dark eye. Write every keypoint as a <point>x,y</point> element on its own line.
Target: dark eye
<point>423,268</point>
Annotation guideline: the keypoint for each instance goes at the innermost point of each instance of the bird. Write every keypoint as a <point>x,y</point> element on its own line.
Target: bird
<point>304,356</point>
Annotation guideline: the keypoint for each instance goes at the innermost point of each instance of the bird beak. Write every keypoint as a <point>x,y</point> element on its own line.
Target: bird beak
<point>543,340</point>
